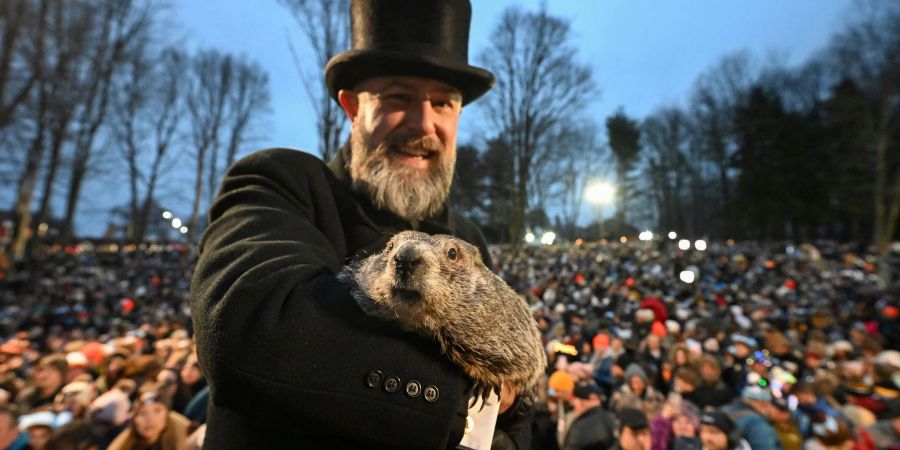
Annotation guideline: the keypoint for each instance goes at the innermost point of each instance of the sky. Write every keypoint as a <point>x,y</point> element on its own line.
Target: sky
<point>644,55</point>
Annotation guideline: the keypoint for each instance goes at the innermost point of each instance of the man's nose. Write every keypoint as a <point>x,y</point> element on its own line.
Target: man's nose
<point>420,118</point>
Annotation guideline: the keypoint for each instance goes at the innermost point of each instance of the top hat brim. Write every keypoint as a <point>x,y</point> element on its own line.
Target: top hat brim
<point>347,69</point>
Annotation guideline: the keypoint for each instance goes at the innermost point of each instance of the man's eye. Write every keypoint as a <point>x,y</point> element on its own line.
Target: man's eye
<point>400,98</point>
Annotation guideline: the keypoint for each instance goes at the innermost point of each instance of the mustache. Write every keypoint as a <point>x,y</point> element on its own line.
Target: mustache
<point>401,141</point>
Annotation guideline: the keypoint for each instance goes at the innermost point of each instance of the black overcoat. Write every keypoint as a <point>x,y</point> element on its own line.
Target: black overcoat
<point>291,360</point>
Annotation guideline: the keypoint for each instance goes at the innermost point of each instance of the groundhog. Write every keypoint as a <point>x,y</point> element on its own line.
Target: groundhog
<point>439,287</point>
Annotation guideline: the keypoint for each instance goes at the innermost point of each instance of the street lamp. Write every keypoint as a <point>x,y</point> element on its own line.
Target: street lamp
<point>600,194</point>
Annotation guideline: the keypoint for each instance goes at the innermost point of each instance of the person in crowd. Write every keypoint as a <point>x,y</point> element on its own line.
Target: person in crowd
<point>108,414</point>
<point>72,436</point>
<point>663,426</point>
<point>685,380</point>
<point>589,426</point>
<point>38,435</point>
<point>719,432</point>
<point>785,425</point>
<point>634,430</point>
<point>751,414</point>
<point>712,391</point>
<point>636,393</point>
<point>49,378</point>
<point>190,383</point>
<point>830,433</point>
<point>10,436</point>
<point>153,424</point>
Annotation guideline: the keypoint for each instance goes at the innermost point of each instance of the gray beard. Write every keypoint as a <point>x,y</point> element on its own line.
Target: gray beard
<point>409,193</point>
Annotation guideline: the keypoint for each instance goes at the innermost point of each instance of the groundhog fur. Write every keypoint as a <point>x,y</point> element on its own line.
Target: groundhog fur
<point>439,287</point>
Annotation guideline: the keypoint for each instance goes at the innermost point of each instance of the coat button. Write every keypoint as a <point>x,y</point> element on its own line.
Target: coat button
<point>431,394</point>
<point>392,384</point>
<point>373,379</point>
<point>413,388</point>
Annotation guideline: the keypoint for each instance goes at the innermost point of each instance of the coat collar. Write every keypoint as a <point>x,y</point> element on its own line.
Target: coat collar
<point>441,223</point>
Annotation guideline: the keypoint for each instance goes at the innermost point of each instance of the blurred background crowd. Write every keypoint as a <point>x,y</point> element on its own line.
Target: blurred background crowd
<point>737,345</point>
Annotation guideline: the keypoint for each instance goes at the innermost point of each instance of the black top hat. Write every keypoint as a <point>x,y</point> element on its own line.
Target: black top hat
<point>425,38</point>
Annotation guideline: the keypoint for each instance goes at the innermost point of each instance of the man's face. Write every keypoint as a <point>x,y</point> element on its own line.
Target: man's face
<point>47,378</point>
<point>631,439</point>
<point>403,142</point>
<point>38,437</point>
<point>713,438</point>
<point>8,430</point>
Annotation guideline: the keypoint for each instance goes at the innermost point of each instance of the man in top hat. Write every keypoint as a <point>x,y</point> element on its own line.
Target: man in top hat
<point>290,358</point>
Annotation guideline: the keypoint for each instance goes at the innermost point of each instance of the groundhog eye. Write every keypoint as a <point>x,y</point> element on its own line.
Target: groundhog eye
<point>452,253</point>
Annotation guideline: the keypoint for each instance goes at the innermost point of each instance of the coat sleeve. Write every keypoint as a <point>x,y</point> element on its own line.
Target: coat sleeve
<point>281,341</point>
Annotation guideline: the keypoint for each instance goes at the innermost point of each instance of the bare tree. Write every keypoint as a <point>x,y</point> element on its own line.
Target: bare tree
<point>665,135</point>
<point>226,98</point>
<point>579,158</point>
<point>249,99</point>
<point>540,86</point>
<point>323,23</point>
<point>122,25</point>
<point>146,117</point>
<point>210,81</point>
<point>625,141</point>
<point>868,52</point>
<point>716,94</point>
<point>17,73</point>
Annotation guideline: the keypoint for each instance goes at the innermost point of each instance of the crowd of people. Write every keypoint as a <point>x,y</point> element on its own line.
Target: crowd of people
<point>761,346</point>
<point>764,346</point>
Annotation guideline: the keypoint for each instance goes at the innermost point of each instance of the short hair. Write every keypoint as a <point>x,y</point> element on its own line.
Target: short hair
<point>687,374</point>
<point>72,436</point>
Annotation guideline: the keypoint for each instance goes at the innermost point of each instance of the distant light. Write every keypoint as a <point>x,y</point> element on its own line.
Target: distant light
<point>623,240</point>
<point>730,242</point>
<point>167,215</point>
<point>548,238</point>
<point>646,235</point>
<point>176,223</point>
<point>673,235</point>
<point>183,229</point>
<point>687,276</point>
<point>600,193</point>
<point>529,237</point>
<point>700,244</point>
<point>684,244</point>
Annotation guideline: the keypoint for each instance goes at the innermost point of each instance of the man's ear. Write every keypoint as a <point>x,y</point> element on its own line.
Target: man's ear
<point>349,102</point>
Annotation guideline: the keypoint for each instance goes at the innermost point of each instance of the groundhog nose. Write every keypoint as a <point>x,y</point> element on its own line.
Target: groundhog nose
<point>406,260</point>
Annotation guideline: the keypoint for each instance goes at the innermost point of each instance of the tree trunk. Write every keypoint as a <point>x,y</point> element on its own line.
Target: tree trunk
<point>22,208</point>
<point>198,194</point>
<point>79,168</point>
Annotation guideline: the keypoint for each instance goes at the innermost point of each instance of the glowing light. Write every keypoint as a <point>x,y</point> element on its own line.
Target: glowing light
<point>730,242</point>
<point>623,240</point>
<point>687,276</point>
<point>673,235</point>
<point>684,244</point>
<point>548,238</point>
<point>700,244</point>
<point>176,223</point>
<point>167,215</point>
<point>529,237</point>
<point>183,229</point>
<point>646,235</point>
<point>600,193</point>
